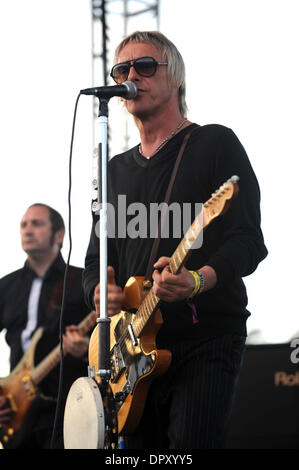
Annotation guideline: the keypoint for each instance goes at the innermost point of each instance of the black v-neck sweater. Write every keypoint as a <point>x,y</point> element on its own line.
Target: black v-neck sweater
<point>232,244</point>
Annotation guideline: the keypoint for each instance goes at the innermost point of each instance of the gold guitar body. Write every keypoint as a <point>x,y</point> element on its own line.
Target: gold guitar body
<point>21,392</point>
<point>134,364</point>
<point>21,387</point>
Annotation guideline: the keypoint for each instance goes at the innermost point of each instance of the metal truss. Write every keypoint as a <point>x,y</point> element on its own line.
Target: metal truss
<point>116,18</point>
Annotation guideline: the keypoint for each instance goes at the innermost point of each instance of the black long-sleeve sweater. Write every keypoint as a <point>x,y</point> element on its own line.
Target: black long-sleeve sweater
<point>233,244</point>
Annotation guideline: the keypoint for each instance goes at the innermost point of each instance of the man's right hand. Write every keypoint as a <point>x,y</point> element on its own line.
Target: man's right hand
<point>115,295</point>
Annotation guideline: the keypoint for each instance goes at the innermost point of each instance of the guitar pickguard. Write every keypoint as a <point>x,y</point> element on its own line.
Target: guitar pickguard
<point>128,358</point>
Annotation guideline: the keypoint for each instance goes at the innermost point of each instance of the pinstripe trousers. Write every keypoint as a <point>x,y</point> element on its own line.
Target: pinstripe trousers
<point>190,405</point>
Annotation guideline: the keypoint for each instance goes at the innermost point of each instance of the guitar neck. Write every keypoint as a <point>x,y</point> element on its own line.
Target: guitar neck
<point>151,302</point>
<point>53,358</point>
<point>211,209</point>
<point>183,250</point>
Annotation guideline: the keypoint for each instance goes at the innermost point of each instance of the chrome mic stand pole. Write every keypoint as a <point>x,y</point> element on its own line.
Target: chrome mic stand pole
<point>103,321</point>
<point>104,368</point>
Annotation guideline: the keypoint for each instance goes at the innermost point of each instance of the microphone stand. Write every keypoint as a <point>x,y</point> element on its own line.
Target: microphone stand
<point>103,321</point>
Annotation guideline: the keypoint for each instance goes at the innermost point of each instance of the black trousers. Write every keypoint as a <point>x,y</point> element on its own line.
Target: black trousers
<point>189,407</point>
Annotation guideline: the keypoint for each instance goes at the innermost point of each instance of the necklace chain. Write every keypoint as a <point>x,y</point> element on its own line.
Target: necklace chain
<point>167,138</point>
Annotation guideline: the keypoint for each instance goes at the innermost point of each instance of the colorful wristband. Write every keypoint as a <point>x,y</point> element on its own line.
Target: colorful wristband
<point>202,281</point>
<point>197,283</point>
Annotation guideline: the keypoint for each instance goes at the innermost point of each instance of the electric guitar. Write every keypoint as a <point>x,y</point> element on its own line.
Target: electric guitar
<point>21,390</point>
<point>134,359</point>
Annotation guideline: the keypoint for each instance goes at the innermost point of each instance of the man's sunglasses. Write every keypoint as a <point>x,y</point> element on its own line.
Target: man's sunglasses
<point>144,66</point>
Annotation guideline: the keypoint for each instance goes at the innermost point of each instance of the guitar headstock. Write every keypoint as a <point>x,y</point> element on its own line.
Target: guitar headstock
<point>220,200</point>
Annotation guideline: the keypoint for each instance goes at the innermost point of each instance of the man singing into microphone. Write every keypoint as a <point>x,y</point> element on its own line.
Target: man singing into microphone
<point>204,306</point>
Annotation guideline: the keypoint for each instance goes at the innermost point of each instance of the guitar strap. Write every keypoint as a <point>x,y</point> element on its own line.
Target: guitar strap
<point>153,255</point>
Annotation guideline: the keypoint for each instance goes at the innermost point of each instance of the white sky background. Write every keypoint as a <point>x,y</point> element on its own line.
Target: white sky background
<point>242,71</point>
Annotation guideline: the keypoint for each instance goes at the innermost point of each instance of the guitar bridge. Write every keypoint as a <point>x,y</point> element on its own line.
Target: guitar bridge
<point>117,363</point>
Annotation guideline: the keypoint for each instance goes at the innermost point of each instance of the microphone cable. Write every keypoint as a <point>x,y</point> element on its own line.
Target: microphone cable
<point>59,395</point>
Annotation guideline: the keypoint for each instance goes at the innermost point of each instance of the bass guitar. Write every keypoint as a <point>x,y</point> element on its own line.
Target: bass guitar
<point>134,359</point>
<point>21,386</point>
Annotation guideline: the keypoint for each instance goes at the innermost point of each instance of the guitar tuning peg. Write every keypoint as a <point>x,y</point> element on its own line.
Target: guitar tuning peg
<point>234,179</point>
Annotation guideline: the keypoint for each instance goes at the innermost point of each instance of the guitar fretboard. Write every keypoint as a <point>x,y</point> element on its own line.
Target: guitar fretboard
<point>210,210</point>
<point>53,358</point>
<point>177,260</point>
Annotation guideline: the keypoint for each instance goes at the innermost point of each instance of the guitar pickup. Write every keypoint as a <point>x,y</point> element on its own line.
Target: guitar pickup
<point>117,363</point>
<point>28,385</point>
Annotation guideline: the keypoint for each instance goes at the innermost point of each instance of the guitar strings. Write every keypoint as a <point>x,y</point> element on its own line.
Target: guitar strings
<point>137,319</point>
<point>176,257</point>
<point>151,301</point>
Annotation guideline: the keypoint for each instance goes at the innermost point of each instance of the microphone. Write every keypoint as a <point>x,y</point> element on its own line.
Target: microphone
<point>127,90</point>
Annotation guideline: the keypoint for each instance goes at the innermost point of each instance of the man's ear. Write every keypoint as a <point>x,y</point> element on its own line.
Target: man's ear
<point>59,236</point>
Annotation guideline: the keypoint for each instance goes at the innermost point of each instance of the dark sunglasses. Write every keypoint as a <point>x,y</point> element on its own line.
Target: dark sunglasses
<point>144,66</point>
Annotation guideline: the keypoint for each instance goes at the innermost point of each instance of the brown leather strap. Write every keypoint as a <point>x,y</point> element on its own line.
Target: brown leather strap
<point>155,246</point>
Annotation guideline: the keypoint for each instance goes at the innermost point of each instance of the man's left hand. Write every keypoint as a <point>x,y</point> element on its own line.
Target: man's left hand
<point>171,287</point>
